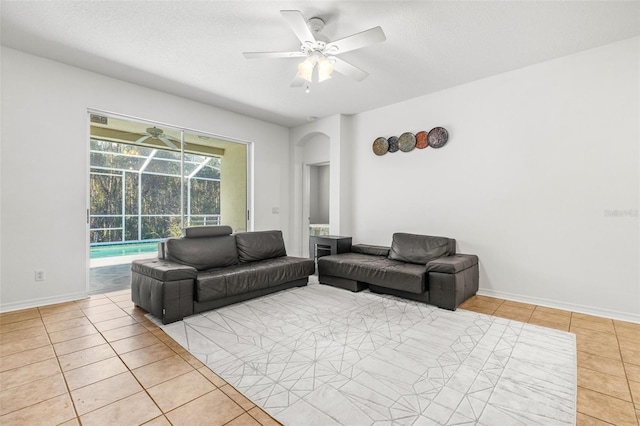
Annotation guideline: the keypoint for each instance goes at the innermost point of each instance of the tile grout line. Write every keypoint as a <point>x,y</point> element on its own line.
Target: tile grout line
<point>624,367</point>
<point>598,392</point>
<point>129,370</point>
<point>571,319</point>
<point>145,389</point>
<point>66,384</point>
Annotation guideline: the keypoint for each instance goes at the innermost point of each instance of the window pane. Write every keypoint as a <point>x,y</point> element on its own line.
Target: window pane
<point>205,197</point>
<point>167,167</point>
<point>131,193</point>
<point>115,161</point>
<point>131,228</point>
<point>106,194</point>
<point>160,195</point>
<point>106,222</point>
<point>157,227</point>
<point>106,236</point>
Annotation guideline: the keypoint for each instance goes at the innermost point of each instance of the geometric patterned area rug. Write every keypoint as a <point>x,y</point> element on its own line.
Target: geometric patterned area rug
<point>318,355</point>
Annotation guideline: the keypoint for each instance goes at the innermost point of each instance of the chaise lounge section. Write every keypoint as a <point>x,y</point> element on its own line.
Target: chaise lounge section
<point>210,267</point>
<point>416,267</point>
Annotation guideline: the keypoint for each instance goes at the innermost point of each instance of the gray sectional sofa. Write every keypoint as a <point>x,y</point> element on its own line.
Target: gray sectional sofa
<point>417,267</point>
<point>210,267</point>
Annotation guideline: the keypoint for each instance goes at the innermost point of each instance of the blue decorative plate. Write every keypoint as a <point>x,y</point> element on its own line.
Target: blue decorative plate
<point>393,143</point>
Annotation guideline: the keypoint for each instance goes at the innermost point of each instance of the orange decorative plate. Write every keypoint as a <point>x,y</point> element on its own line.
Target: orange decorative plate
<point>421,140</point>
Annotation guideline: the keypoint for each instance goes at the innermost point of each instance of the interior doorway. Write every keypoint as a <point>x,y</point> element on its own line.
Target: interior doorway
<point>148,182</point>
<point>319,199</point>
<point>316,203</point>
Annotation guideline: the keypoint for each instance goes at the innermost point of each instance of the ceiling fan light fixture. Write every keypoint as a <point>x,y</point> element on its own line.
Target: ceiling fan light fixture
<point>325,68</point>
<point>318,50</point>
<point>305,68</point>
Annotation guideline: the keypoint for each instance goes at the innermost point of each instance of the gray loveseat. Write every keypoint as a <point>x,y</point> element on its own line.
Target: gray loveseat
<point>210,267</point>
<point>417,267</point>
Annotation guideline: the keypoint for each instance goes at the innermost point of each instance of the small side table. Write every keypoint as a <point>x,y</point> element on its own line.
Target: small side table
<point>324,245</point>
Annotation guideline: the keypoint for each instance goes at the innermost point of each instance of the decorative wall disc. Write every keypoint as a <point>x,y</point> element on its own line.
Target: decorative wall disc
<point>407,141</point>
<point>421,140</point>
<point>393,143</point>
<point>380,146</point>
<point>437,137</point>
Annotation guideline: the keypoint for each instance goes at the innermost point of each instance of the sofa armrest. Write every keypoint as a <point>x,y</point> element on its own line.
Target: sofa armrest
<point>370,249</point>
<point>452,280</point>
<point>452,264</point>
<point>163,270</point>
<point>162,288</point>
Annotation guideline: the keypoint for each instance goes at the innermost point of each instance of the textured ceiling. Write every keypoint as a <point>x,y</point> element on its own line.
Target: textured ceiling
<point>194,48</point>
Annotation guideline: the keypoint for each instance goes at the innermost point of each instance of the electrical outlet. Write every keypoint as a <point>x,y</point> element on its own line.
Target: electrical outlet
<point>39,275</point>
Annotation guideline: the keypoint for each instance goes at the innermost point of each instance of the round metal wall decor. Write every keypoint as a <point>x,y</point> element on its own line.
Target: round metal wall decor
<point>437,137</point>
<point>380,146</point>
<point>421,140</point>
<point>407,141</point>
<point>393,143</point>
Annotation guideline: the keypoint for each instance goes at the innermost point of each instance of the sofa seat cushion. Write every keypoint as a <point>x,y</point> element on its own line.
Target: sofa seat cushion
<point>375,270</point>
<point>163,270</point>
<point>452,264</point>
<point>223,282</point>
<point>420,249</point>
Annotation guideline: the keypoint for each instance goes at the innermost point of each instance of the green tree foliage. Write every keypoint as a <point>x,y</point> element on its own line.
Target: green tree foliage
<point>116,184</point>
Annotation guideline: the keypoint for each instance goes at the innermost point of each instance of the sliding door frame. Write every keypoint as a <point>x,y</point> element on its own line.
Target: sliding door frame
<point>249,216</point>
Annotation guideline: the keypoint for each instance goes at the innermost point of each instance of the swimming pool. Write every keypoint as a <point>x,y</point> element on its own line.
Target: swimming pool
<point>112,250</point>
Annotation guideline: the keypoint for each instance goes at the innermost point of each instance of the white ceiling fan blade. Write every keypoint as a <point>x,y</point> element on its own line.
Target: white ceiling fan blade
<point>345,68</point>
<point>356,41</point>
<point>298,25</point>
<point>167,142</point>
<point>298,81</point>
<point>171,138</point>
<point>271,55</point>
<point>142,139</point>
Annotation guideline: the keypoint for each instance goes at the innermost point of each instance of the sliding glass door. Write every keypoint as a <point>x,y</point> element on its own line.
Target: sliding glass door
<point>148,183</point>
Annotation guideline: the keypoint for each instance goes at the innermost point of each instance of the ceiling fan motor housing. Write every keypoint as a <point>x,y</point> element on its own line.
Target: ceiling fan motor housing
<point>310,47</point>
<point>154,131</point>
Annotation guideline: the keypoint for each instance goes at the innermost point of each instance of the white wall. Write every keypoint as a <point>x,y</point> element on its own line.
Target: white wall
<point>44,173</point>
<point>316,150</point>
<point>535,159</point>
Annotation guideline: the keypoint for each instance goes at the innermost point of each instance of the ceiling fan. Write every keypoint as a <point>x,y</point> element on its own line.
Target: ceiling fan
<point>320,53</point>
<point>158,134</point>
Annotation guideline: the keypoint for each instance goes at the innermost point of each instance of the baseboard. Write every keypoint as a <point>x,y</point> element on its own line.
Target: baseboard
<point>44,301</point>
<point>589,310</point>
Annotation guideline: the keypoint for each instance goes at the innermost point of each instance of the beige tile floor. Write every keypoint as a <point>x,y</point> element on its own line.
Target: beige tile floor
<point>100,361</point>
<point>608,358</point>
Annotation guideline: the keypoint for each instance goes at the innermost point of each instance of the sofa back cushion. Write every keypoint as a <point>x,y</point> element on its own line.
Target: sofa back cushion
<point>420,249</point>
<point>205,248</point>
<point>253,246</point>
